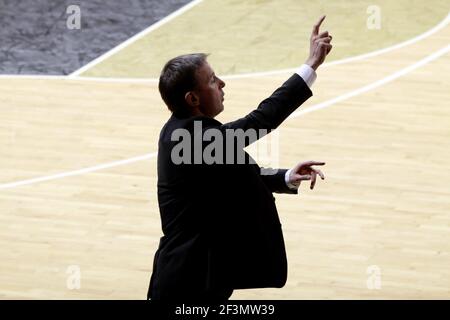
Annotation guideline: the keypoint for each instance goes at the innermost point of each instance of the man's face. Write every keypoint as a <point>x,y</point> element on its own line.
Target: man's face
<point>209,91</point>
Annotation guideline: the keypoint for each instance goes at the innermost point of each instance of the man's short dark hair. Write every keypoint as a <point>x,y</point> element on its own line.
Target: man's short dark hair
<point>177,78</point>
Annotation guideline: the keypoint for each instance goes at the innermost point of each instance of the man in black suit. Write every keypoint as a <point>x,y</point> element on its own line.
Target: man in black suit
<point>220,223</point>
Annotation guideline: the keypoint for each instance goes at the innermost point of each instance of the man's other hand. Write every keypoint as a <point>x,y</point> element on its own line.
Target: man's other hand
<point>320,46</point>
<point>305,171</point>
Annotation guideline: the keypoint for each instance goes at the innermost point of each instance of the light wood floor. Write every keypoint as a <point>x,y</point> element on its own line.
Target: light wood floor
<point>385,201</point>
<point>254,35</point>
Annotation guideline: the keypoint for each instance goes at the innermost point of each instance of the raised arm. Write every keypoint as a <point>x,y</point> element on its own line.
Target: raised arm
<point>272,111</point>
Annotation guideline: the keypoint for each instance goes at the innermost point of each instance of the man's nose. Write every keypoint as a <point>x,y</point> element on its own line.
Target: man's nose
<point>222,84</point>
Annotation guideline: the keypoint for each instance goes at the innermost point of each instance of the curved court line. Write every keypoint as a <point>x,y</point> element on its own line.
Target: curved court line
<point>144,32</point>
<point>72,76</point>
<point>296,114</point>
<point>411,41</point>
<point>422,36</point>
<point>77,172</point>
<point>373,85</point>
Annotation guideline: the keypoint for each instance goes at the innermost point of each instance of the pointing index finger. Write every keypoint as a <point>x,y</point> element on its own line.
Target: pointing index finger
<point>317,26</point>
<point>313,163</point>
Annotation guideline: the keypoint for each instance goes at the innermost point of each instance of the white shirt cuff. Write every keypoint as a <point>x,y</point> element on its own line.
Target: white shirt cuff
<point>290,185</point>
<point>307,73</point>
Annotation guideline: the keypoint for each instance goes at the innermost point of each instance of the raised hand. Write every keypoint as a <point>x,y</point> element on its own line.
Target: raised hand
<point>320,46</point>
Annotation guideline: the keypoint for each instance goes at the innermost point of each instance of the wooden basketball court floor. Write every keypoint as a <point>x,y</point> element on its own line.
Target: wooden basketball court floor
<point>78,181</point>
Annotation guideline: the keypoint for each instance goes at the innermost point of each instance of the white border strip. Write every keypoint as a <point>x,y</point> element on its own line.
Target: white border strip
<point>137,36</point>
<point>296,114</point>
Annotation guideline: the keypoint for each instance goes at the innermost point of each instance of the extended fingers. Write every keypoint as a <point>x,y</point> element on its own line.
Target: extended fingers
<point>304,171</point>
<point>316,27</point>
<point>313,163</point>
<point>313,179</point>
<point>320,173</point>
<point>314,173</point>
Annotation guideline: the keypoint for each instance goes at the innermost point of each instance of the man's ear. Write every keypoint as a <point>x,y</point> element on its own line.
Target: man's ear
<point>192,99</point>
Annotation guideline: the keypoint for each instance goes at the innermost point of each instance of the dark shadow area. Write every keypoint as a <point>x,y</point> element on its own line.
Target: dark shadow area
<point>35,38</point>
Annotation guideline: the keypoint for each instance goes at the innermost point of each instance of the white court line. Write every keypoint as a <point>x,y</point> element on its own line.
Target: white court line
<point>411,41</point>
<point>141,34</point>
<point>72,76</point>
<point>422,36</point>
<point>296,114</point>
<point>77,172</point>
<point>373,85</point>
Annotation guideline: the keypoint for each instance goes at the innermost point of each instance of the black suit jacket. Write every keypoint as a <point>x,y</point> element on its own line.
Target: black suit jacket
<point>220,223</point>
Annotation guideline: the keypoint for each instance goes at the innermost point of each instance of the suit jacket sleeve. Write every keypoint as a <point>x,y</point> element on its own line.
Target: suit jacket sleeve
<point>274,179</point>
<point>270,113</point>
<point>273,110</point>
